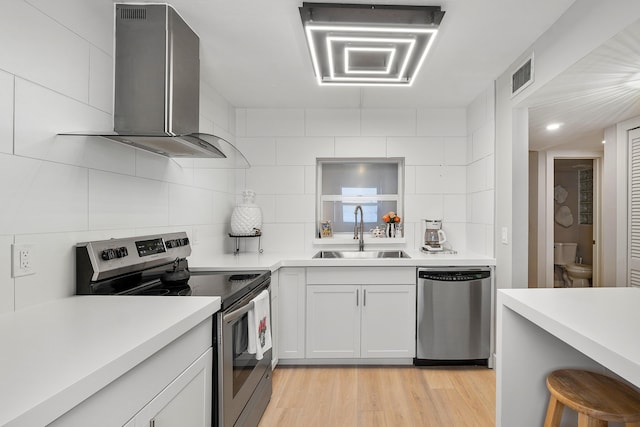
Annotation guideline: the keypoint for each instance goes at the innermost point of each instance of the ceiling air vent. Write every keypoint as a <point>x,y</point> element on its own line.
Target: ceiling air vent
<point>133,13</point>
<point>523,77</point>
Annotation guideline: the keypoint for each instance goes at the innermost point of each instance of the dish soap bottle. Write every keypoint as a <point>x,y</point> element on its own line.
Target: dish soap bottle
<point>246,218</point>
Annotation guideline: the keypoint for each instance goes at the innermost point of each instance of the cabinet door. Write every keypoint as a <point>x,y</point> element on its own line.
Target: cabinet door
<point>291,313</point>
<point>186,402</point>
<point>388,321</point>
<point>333,321</point>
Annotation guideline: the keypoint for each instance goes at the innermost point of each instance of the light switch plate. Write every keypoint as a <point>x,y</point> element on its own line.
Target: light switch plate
<point>505,235</point>
<point>23,260</point>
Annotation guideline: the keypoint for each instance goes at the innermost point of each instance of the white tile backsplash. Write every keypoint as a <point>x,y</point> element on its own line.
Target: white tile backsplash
<point>53,279</point>
<point>276,179</point>
<point>310,183</point>
<point>442,122</point>
<point>303,150</point>
<point>455,151</point>
<point>119,201</point>
<point>483,141</point>
<point>40,114</point>
<point>268,207</point>
<point>154,166</point>
<point>423,206</point>
<point>101,80</point>
<point>295,208</point>
<point>366,146</point>
<point>258,151</point>
<point>476,177</point>
<point>388,122</point>
<point>275,122</point>
<point>6,112</point>
<point>332,122</point>
<point>283,237</point>
<point>221,180</point>
<point>455,208</point>
<point>6,281</point>
<point>417,150</point>
<point>189,205</point>
<point>40,196</point>
<point>92,20</point>
<point>40,49</point>
<point>410,179</point>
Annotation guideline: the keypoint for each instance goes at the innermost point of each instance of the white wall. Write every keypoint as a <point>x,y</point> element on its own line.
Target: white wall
<point>56,75</point>
<point>481,173</point>
<point>585,26</point>
<point>282,145</point>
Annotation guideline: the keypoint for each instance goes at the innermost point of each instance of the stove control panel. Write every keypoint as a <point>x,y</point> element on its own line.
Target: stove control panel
<point>109,258</point>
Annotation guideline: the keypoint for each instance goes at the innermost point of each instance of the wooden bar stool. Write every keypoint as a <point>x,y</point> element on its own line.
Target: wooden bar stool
<point>596,398</point>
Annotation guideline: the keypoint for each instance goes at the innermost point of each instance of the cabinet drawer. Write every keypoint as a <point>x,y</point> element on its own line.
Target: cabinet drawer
<point>361,275</point>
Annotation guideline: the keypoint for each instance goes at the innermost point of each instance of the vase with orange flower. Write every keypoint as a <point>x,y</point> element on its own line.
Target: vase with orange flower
<point>391,220</point>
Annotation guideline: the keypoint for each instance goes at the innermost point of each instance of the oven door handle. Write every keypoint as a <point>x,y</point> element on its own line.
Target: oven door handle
<point>235,314</point>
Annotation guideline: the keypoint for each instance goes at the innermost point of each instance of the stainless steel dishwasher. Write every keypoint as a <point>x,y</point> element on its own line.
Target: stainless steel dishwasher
<point>453,316</point>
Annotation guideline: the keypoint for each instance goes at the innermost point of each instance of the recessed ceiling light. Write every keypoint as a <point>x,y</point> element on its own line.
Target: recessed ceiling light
<point>554,126</point>
<point>359,44</point>
<point>604,141</point>
<point>634,81</point>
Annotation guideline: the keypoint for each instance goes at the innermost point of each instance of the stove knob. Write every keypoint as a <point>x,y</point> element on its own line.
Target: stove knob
<point>121,252</point>
<point>108,254</point>
<point>185,241</point>
<point>170,244</point>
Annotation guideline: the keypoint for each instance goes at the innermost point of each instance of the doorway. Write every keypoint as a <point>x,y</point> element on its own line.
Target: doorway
<point>573,219</point>
<point>572,214</point>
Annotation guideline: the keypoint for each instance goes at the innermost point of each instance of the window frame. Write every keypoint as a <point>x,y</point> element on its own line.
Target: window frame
<point>320,198</point>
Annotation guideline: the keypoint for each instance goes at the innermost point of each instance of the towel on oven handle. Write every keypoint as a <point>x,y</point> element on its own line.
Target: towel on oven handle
<point>259,319</point>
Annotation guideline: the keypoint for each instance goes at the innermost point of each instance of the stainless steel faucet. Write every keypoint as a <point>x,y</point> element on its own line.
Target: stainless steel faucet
<point>355,228</point>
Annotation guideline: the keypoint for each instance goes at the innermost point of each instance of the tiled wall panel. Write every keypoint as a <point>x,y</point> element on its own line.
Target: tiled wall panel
<point>332,122</point>
<point>40,49</point>
<point>6,112</point>
<point>39,196</point>
<point>119,201</point>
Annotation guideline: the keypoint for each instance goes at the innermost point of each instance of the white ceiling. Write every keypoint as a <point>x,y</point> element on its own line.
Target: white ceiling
<point>253,52</point>
<point>589,96</point>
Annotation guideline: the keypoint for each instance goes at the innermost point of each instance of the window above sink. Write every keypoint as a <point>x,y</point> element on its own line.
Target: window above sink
<point>376,184</point>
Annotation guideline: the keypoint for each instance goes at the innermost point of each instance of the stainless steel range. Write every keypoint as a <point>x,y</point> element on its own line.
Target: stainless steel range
<point>157,265</point>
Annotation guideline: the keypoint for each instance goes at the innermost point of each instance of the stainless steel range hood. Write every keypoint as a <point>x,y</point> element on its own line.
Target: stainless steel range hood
<point>157,85</point>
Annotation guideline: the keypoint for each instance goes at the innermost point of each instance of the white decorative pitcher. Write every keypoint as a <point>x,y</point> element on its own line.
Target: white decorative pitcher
<point>247,216</point>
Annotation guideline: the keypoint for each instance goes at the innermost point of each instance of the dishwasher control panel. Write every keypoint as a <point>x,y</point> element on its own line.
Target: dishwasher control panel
<point>454,276</point>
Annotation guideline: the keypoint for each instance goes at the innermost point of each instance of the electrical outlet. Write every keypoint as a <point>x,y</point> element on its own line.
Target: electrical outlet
<point>23,260</point>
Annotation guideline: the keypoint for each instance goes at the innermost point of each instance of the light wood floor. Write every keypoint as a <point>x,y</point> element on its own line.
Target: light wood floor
<point>361,396</point>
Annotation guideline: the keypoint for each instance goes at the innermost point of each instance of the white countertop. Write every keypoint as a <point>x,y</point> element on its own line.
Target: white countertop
<point>275,260</point>
<point>55,355</point>
<point>602,323</point>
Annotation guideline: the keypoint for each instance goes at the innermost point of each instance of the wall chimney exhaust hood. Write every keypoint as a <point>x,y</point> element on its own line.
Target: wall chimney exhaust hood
<point>157,86</point>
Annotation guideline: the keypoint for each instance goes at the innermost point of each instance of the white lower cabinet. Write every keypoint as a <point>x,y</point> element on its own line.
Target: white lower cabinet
<point>333,321</point>
<point>173,387</point>
<point>291,313</point>
<point>350,320</point>
<point>186,402</point>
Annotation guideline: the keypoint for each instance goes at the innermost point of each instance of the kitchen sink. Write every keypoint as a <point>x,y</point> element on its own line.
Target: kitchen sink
<point>361,254</point>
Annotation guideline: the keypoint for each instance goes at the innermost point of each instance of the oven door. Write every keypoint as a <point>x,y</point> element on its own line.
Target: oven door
<point>241,372</point>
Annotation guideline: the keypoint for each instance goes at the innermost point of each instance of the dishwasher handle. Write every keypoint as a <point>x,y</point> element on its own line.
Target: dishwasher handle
<point>454,276</point>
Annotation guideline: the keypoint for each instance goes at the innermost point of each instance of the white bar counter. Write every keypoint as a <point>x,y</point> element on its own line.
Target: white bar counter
<point>55,355</point>
<point>540,330</point>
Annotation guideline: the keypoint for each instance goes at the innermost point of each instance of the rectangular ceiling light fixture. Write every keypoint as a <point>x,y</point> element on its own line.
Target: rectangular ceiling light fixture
<point>358,44</point>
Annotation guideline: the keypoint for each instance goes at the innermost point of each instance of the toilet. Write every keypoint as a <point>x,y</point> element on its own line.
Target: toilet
<point>579,274</point>
<point>563,255</point>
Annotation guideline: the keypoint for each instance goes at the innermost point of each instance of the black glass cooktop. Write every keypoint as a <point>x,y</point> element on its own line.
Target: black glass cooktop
<point>229,286</point>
